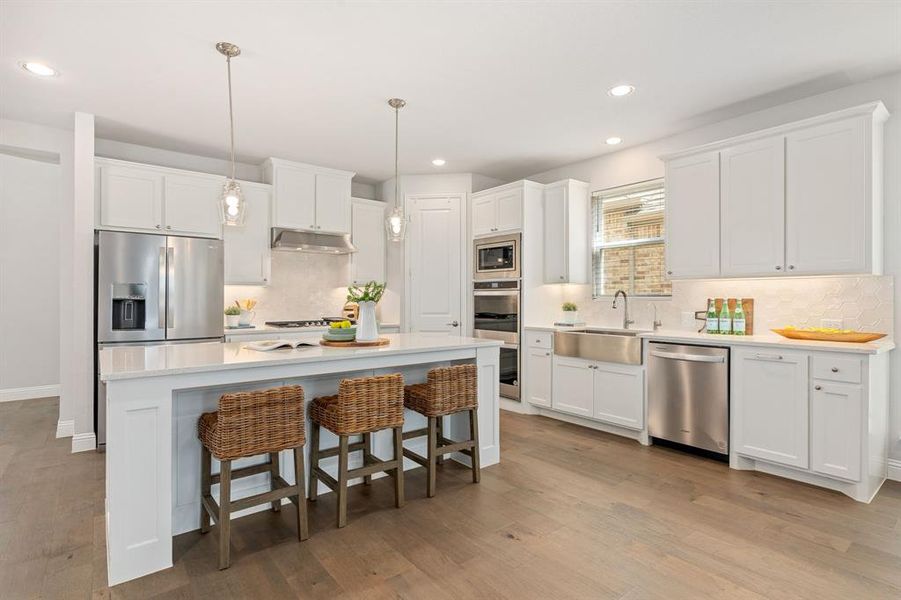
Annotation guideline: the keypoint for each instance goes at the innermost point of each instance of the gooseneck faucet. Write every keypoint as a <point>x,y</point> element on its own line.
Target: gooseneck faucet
<point>626,320</point>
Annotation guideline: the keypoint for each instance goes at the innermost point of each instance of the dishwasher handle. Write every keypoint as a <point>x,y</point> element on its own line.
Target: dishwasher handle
<point>703,358</point>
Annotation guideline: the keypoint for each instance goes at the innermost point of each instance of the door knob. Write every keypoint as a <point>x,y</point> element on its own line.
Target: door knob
<point>453,324</point>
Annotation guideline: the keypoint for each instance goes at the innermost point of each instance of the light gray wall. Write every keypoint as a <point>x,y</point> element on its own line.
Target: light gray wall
<point>30,200</point>
<point>641,163</point>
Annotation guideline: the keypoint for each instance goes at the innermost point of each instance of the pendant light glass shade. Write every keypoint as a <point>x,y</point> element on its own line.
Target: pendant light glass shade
<point>396,223</point>
<point>231,202</point>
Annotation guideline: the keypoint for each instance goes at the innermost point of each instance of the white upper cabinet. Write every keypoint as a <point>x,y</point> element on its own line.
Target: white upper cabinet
<point>829,217</point>
<point>497,211</point>
<point>136,197</point>
<point>247,249</point>
<point>770,405</point>
<point>131,196</point>
<point>566,246</point>
<point>368,236</point>
<point>192,205</point>
<point>309,197</point>
<point>803,198</point>
<point>752,208</point>
<point>693,216</point>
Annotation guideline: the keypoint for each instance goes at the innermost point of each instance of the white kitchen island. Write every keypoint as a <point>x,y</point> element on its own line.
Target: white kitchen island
<point>155,395</point>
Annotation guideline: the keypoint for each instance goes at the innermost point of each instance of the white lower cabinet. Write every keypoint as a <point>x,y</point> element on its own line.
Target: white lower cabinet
<point>836,423</point>
<point>538,373</point>
<point>573,386</point>
<point>770,405</point>
<point>606,392</point>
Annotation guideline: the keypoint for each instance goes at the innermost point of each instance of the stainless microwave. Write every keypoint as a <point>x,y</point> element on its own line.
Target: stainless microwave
<point>496,257</point>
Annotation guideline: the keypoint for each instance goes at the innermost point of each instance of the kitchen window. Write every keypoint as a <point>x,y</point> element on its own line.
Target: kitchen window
<point>627,241</point>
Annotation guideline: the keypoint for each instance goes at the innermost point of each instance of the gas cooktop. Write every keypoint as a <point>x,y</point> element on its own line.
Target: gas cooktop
<point>320,322</point>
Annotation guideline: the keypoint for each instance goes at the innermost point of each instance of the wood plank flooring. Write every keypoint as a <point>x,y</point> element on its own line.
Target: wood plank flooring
<point>569,513</point>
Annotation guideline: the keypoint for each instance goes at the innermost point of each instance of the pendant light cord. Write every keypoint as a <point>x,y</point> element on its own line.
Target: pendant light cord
<point>231,114</point>
<point>396,152</point>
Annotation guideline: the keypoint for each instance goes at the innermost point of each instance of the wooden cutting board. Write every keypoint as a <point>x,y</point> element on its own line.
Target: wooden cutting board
<point>355,343</point>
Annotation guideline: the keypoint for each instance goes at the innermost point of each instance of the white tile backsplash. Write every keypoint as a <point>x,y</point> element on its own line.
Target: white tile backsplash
<point>863,303</point>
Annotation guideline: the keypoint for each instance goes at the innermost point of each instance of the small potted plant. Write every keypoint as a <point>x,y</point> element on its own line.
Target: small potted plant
<point>570,313</point>
<point>366,298</point>
<point>232,316</point>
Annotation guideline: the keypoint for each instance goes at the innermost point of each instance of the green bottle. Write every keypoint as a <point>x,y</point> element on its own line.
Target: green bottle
<point>738,319</point>
<point>725,318</point>
<point>713,323</point>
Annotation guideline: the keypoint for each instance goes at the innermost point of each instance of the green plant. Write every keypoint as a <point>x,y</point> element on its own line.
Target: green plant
<point>231,311</point>
<point>570,307</point>
<point>371,292</point>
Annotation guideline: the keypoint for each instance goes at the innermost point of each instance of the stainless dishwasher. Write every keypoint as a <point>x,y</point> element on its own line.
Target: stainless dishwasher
<point>688,395</point>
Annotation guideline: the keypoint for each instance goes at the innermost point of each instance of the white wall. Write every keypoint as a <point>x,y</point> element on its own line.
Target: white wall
<point>30,199</point>
<point>641,163</point>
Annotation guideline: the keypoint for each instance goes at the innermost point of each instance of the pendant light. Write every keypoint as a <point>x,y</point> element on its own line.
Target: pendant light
<point>396,223</point>
<point>231,203</point>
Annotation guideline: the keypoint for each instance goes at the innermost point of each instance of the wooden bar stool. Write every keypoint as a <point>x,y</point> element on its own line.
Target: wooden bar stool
<point>447,390</point>
<point>249,424</point>
<point>361,407</point>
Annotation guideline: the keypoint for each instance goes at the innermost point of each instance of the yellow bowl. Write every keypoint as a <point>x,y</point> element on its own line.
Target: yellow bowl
<point>857,337</point>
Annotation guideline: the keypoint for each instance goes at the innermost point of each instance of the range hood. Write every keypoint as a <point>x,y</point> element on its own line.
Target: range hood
<point>308,241</point>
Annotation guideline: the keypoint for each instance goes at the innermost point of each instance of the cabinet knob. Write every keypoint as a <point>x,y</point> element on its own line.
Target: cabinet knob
<point>159,226</point>
<point>778,267</point>
<point>835,369</point>
<point>547,353</point>
<point>791,267</point>
<point>669,272</point>
<point>168,226</point>
<point>561,277</point>
<point>818,387</point>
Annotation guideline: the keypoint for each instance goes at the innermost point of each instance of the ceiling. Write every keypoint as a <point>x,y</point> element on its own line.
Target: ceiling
<point>506,89</point>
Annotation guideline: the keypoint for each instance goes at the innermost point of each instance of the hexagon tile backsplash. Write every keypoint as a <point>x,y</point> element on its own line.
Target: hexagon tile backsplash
<point>862,303</point>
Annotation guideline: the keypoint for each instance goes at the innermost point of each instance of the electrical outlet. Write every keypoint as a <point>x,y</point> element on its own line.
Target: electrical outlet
<point>688,318</point>
<point>831,323</point>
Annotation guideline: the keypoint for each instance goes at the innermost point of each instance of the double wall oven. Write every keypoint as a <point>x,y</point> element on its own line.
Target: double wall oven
<point>496,303</point>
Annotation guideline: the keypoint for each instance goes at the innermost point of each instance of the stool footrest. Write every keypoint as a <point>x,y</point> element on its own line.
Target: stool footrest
<point>327,452</point>
<point>282,490</point>
<point>415,433</point>
<point>244,472</point>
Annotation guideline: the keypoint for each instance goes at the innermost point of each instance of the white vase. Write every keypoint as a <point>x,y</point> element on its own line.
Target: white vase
<point>570,316</point>
<point>232,320</point>
<point>367,326</point>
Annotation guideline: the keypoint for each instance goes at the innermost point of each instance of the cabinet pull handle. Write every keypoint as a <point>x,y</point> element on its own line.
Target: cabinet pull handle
<point>818,387</point>
<point>835,369</point>
<point>769,356</point>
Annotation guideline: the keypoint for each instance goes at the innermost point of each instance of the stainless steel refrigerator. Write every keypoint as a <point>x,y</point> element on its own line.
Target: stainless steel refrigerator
<point>154,289</point>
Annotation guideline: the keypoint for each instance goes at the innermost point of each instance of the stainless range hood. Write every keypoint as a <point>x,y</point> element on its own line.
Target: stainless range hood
<point>308,241</point>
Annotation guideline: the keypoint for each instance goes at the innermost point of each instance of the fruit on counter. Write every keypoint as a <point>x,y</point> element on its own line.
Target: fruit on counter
<point>819,329</point>
<point>340,325</point>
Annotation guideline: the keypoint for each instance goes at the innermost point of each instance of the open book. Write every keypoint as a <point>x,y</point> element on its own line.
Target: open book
<point>267,345</point>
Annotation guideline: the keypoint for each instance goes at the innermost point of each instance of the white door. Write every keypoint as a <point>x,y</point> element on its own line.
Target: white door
<point>247,253</point>
<point>555,235</point>
<point>435,254</point>
<point>509,211</point>
<point>770,405</point>
<point>368,236</point>
<point>619,395</point>
<point>573,385</point>
<point>752,208</point>
<point>295,199</point>
<point>192,205</point>
<point>484,216</point>
<point>131,197</point>
<point>332,203</point>
<point>828,205</point>
<point>538,368</point>
<point>836,422</point>
<point>693,216</point>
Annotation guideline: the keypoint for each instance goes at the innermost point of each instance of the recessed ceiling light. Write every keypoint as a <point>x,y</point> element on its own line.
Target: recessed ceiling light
<point>39,69</point>
<point>613,141</point>
<point>621,90</point>
<point>439,162</point>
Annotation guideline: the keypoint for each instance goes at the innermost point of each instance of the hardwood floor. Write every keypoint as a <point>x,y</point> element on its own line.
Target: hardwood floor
<point>569,513</point>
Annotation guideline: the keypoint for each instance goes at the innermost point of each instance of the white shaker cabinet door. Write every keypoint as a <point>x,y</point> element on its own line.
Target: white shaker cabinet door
<point>368,236</point>
<point>131,197</point>
<point>247,252</point>
<point>828,199</point>
<point>484,216</point>
<point>538,374</point>
<point>836,422</point>
<point>509,210</point>
<point>619,395</point>
<point>295,199</point>
<point>555,238</point>
<point>332,203</point>
<point>770,405</point>
<point>573,387</point>
<point>752,208</point>
<point>192,205</point>
<point>693,216</point>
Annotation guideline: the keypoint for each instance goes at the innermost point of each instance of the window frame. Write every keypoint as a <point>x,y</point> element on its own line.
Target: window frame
<point>597,249</point>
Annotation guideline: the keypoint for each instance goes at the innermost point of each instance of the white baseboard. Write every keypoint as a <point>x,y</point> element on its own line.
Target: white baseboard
<point>517,406</point>
<point>82,442</point>
<point>894,469</point>
<point>28,393</point>
<point>65,428</point>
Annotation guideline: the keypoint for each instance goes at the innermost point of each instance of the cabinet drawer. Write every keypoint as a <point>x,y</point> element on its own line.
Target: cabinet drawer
<point>539,339</point>
<point>836,368</point>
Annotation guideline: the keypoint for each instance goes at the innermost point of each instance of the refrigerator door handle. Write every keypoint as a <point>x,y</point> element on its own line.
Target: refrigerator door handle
<point>161,296</point>
<point>170,287</point>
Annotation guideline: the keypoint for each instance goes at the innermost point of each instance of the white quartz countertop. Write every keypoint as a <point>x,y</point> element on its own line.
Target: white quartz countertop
<point>765,339</point>
<point>134,362</point>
